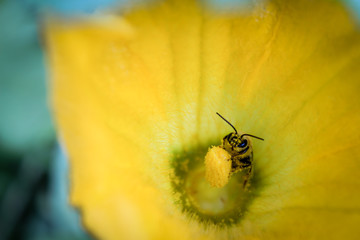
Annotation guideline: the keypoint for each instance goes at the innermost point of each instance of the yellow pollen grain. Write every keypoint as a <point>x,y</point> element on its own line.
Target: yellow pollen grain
<point>217,166</point>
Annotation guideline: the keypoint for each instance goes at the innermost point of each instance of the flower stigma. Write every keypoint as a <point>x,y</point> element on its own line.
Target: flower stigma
<point>217,166</point>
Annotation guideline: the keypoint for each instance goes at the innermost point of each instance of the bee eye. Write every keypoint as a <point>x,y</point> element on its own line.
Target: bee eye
<point>243,144</point>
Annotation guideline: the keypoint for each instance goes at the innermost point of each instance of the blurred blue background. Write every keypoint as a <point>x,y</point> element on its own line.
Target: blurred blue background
<point>33,168</point>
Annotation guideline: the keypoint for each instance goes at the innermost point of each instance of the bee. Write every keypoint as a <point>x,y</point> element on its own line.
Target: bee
<point>233,155</point>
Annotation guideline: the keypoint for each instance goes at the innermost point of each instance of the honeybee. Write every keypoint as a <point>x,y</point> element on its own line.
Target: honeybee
<point>233,155</point>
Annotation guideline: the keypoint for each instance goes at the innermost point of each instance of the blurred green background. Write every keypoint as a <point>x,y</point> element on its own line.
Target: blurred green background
<point>33,167</point>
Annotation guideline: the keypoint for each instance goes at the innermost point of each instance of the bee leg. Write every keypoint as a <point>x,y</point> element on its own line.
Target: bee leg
<point>247,176</point>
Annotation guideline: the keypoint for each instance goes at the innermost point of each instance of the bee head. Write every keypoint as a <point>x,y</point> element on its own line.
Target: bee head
<point>236,142</point>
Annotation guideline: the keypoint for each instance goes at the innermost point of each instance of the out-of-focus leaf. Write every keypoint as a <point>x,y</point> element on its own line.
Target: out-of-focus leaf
<point>24,116</point>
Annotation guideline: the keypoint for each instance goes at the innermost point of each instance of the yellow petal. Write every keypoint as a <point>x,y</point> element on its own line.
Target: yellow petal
<point>130,92</point>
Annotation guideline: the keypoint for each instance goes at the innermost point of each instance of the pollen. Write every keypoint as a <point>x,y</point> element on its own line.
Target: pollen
<point>217,166</point>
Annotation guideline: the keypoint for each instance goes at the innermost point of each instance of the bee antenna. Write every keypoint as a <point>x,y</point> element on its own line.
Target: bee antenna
<point>251,136</point>
<point>227,122</point>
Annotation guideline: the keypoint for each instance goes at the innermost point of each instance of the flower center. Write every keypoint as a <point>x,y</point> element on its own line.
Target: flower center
<point>221,206</point>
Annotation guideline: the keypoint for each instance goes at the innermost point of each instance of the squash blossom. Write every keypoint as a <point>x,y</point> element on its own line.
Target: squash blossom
<point>135,95</point>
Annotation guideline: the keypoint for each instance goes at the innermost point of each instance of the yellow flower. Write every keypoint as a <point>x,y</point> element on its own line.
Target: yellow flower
<point>135,97</point>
